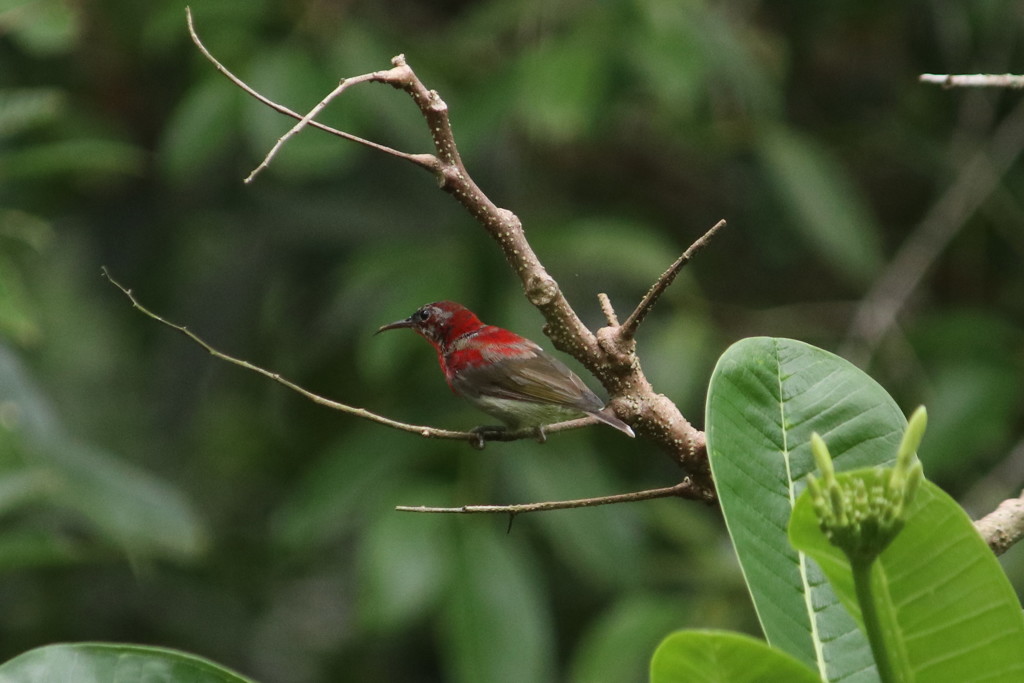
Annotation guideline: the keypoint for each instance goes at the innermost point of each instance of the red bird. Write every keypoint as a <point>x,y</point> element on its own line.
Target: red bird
<point>501,373</point>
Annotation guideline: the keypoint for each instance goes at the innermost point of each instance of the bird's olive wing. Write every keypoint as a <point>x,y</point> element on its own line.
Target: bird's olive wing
<point>538,378</point>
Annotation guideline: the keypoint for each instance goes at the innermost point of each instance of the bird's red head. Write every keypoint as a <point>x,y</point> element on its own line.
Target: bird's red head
<point>439,323</point>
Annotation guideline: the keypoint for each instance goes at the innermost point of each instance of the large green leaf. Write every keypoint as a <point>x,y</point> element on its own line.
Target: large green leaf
<point>766,398</point>
<point>945,603</point>
<point>723,657</point>
<point>112,663</point>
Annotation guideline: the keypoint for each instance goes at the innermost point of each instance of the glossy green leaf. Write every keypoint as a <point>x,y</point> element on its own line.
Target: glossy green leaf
<point>946,605</point>
<point>113,663</point>
<point>766,397</point>
<point>724,657</point>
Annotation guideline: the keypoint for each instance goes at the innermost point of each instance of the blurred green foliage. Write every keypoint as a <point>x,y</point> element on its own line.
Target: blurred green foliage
<point>152,494</point>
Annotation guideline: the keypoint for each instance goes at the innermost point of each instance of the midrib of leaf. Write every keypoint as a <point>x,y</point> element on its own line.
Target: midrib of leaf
<point>819,652</point>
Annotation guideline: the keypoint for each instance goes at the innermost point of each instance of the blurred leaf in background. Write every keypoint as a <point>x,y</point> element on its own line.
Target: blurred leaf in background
<point>152,494</point>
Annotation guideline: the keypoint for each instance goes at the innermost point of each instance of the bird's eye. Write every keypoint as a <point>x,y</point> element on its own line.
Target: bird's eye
<point>423,315</point>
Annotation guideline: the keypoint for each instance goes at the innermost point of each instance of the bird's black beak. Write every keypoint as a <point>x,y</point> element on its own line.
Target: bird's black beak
<point>398,324</point>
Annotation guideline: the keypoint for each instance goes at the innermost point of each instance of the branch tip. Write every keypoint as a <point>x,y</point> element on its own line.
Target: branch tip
<point>628,329</point>
<point>948,81</point>
<point>423,161</point>
<point>608,309</point>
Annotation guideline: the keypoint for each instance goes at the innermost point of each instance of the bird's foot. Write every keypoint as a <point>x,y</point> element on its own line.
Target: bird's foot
<point>482,433</point>
<point>539,435</point>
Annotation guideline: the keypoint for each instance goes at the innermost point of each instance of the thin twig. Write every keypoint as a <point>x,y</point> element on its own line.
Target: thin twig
<point>614,362</point>
<point>305,120</point>
<point>426,161</point>
<point>684,489</point>
<point>608,309</point>
<point>628,329</point>
<point>475,438</point>
<point>453,177</point>
<point>974,80</point>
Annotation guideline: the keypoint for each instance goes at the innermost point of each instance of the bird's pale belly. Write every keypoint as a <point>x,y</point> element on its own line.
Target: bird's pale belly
<point>517,414</point>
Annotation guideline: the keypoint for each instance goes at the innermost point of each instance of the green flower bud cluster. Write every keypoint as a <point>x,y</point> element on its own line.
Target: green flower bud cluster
<point>862,513</point>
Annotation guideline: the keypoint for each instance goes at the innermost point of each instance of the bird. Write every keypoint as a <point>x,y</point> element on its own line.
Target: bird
<point>504,375</point>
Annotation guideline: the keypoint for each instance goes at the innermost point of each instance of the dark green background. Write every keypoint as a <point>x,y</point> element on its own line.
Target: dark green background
<point>152,494</point>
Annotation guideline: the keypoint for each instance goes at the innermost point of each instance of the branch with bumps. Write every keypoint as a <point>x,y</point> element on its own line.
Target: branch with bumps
<point>608,353</point>
<point>1004,526</point>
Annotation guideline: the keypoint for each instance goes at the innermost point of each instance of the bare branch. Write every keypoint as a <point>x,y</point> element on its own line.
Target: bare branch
<point>628,329</point>
<point>305,120</point>
<point>1004,526</point>
<point>974,80</point>
<point>476,438</point>
<point>684,489</point>
<point>611,359</point>
<point>427,161</point>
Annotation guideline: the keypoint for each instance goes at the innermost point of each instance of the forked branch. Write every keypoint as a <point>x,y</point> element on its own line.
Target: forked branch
<point>424,161</point>
<point>658,288</point>
<point>608,354</point>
